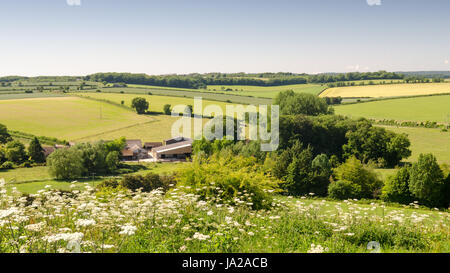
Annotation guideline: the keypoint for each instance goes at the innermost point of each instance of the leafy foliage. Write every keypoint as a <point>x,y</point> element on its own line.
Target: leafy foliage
<point>224,178</point>
<point>292,103</point>
<point>427,181</point>
<point>353,175</point>
<point>35,151</point>
<point>140,104</point>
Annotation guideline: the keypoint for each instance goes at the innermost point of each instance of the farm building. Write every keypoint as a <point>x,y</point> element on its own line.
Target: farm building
<point>133,150</point>
<point>48,150</point>
<point>150,145</point>
<point>176,140</point>
<point>180,149</point>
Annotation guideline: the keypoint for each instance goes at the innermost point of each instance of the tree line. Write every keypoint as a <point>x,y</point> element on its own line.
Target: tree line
<point>199,81</point>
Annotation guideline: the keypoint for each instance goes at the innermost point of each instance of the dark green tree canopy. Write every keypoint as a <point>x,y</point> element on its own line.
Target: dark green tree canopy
<point>4,135</point>
<point>140,104</point>
<point>292,103</point>
<point>36,152</point>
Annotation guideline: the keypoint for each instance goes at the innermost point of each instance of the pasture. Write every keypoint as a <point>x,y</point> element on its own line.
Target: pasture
<point>156,102</point>
<point>424,140</point>
<point>68,118</point>
<point>429,108</point>
<point>266,91</point>
<point>387,90</point>
<point>31,180</point>
<point>79,119</point>
<point>189,93</point>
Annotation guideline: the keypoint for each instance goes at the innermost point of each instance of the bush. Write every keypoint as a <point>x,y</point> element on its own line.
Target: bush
<point>167,109</point>
<point>7,165</point>
<point>363,181</point>
<point>147,183</point>
<point>109,183</point>
<point>229,179</point>
<point>341,190</point>
<point>396,188</point>
<point>26,164</point>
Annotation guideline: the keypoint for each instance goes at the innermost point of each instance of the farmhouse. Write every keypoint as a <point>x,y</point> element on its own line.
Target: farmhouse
<point>48,150</point>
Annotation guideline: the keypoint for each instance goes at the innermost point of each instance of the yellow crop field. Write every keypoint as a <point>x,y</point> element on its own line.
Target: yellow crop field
<point>388,90</point>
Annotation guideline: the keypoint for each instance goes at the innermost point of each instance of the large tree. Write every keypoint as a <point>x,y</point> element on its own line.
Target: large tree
<point>140,104</point>
<point>66,164</point>
<point>35,151</point>
<point>292,103</point>
<point>4,135</point>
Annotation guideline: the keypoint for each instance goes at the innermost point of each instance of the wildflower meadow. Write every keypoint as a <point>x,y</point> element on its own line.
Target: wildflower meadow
<point>122,221</point>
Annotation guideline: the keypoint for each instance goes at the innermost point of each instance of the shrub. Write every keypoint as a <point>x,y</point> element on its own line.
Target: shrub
<point>341,190</point>
<point>364,181</point>
<point>109,183</point>
<point>26,164</point>
<point>396,188</point>
<point>427,182</point>
<point>228,179</point>
<point>167,109</point>
<point>147,183</point>
<point>7,165</point>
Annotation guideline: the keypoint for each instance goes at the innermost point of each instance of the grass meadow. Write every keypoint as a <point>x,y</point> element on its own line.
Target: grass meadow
<point>189,93</point>
<point>67,118</point>
<point>156,102</point>
<point>78,119</point>
<point>388,90</point>
<point>31,180</point>
<point>176,222</point>
<point>267,91</point>
<point>425,140</point>
<point>431,108</point>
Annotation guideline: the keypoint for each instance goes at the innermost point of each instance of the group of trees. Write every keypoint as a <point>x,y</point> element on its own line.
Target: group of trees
<point>198,81</point>
<point>292,103</point>
<point>343,138</point>
<point>425,181</point>
<point>14,153</point>
<point>86,159</point>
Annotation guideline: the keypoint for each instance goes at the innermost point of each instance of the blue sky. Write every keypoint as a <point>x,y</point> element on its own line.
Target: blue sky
<point>52,37</point>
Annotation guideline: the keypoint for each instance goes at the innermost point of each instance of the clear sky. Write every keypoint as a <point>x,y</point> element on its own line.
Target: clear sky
<point>79,37</point>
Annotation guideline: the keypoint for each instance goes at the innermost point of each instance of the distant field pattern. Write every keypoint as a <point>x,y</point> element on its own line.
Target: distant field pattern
<point>388,90</point>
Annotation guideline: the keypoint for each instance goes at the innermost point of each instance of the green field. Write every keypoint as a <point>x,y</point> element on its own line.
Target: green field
<point>388,90</point>
<point>430,108</point>
<point>79,119</point>
<point>267,91</point>
<point>22,95</point>
<point>189,93</point>
<point>156,102</point>
<point>424,140</point>
<point>67,118</point>
<point>30,180</point>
